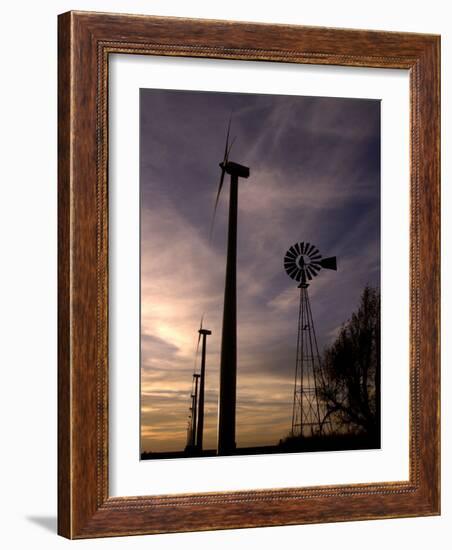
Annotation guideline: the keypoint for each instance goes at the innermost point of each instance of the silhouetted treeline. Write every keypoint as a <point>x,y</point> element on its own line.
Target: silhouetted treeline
<point>351,371</point>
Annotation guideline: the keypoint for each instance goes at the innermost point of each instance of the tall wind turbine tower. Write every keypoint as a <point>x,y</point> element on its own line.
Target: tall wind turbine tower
<point>302,263</point>
<point>228,365</point>
<point>194,411</point>
<point>195,428</point>
<point>203,333</point>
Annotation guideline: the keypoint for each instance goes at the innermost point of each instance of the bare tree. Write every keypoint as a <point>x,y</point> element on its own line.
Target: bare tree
<point>351,371</point>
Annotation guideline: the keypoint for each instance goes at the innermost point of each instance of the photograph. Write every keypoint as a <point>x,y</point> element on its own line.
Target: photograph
<point>260,221</point>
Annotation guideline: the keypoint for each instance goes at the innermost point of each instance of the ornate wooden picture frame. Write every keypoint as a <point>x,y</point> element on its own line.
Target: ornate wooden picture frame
<point>86,40</point>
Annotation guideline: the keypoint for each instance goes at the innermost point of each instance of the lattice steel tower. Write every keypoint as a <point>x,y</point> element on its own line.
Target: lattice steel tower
<point>302,262</point>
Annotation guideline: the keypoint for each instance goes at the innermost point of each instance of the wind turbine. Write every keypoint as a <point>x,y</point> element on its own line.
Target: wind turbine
<point>200,426</point>
<point>228,366</point>
<point>195,428</point>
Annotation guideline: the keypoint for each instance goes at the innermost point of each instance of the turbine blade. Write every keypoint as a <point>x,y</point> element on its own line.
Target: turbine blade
<point>200,327</point>
<point>227,150</point>
<point>226,147</point>
<point>199,339</point>
<point>220,186</point>
<point>329,263</point>
<point>226,159</point>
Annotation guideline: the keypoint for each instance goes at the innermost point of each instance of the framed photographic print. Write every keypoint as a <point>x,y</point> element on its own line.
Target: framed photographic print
<point>248,275</point>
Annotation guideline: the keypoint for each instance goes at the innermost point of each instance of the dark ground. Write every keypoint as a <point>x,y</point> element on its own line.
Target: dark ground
<point>289,445</point>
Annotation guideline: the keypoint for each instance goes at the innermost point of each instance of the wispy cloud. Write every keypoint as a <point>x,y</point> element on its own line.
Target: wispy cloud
<point>314,177</point>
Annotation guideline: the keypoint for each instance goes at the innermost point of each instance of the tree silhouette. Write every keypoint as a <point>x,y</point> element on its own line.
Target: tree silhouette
<point>350,383</point>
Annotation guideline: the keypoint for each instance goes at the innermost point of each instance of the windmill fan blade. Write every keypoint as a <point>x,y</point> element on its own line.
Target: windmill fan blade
<point>329,263</point>
<point>291,255</point>
<point>312,252</point>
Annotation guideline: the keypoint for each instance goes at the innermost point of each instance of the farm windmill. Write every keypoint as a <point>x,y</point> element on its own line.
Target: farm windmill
<point>228,365</point>
<point>302,263</point>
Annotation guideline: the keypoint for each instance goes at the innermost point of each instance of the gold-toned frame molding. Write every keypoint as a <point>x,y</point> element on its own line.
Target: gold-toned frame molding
<point>86,40</point>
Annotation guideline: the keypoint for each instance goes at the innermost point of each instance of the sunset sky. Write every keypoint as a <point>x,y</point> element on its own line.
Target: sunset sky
<point>314,176</point>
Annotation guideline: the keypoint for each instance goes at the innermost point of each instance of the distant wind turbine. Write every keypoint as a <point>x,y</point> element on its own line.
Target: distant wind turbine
<point>200,426</point>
